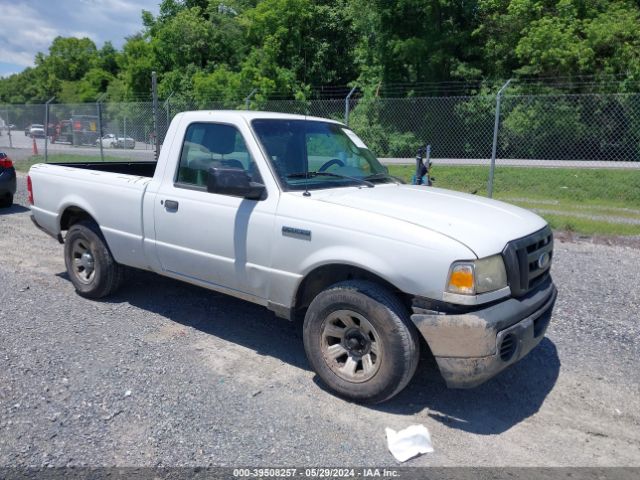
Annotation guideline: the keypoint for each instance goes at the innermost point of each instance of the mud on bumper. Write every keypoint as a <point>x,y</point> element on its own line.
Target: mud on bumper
<point>473,346</point>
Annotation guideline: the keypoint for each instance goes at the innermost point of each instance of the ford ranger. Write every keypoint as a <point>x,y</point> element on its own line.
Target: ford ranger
<point>296,214</point>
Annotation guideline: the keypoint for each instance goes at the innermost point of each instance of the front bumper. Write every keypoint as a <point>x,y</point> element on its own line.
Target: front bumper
<point>472,347</point>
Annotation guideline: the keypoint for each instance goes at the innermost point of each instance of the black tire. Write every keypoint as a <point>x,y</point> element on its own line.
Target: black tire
<point>395,336</point>
<point>6,201</point>
<point>107,273</point>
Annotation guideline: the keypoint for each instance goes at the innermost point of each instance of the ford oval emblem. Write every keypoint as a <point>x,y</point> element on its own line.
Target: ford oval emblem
<point>543,260</point>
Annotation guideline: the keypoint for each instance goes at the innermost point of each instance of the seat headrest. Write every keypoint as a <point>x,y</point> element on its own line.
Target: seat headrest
<point>219,139</point>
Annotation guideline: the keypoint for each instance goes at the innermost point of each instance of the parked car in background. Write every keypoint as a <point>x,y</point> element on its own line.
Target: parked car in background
<point>36,131</point>
<point>112,141</point>
<point>7,181</point>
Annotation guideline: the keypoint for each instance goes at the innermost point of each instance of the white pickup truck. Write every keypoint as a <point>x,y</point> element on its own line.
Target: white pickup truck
<point>296,214</point>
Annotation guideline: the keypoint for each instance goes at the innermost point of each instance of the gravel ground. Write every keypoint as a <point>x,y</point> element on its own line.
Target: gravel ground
<point>168,374</point>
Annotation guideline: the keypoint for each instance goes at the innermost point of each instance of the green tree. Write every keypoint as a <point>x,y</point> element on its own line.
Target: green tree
<point>311,39</point>
<point>182,40</point>
<point>412,40</point>
<point>108,58</point>
<point>203,49</point>
<point>136,64</point>
<point>550,38</point>
<point>70,58</point>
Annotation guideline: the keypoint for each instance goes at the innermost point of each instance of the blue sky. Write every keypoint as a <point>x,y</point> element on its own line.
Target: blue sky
<point>29,26</point>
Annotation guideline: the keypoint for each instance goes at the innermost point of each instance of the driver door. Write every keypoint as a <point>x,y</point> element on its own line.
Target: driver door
<point>215,240</point>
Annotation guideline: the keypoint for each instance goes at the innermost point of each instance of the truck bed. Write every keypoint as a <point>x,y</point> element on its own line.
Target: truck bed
<point>111,193</point>
<point>141,169</point>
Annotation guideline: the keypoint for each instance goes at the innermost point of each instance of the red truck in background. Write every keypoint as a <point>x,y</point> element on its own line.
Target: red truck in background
<point>78,130</point>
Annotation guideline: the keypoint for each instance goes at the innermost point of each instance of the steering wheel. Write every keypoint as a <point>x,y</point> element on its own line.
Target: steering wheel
<point>330,163</point>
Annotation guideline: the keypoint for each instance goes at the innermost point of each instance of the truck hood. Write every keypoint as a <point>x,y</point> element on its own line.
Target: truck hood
<point>483,225</point>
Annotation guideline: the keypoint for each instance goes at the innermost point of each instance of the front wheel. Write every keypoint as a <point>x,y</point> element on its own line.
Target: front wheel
<point>360,341</point>
<point>90,265</point>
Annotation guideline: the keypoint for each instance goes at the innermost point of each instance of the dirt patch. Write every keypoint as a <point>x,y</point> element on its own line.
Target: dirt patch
<point>626,241</point>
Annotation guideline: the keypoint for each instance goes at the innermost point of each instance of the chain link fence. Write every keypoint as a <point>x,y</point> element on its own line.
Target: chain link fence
<point>534,130</point>
<point>588,144</point>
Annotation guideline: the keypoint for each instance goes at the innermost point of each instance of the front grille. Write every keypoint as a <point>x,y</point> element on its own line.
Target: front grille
<point>528,260</point>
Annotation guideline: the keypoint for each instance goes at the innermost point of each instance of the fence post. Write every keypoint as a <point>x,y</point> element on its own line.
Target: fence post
<point>494,147</point>
<point>167,107</point>
<point>346,106</point>
<point>247,100</point>
<point>46,129</point>
<point>156,123</point>
<point>100,132</point>
<point>9,131</point>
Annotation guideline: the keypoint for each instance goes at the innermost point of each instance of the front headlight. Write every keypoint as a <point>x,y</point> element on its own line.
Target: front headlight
<point>476,277</point>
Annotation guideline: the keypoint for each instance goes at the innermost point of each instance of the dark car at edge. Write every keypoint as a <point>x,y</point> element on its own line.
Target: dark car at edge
<point>7,181</point>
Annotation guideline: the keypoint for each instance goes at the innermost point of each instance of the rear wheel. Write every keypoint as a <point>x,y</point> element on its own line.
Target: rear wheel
<point>6,201</point>
<point>90,265</point>
<point>360,341</point>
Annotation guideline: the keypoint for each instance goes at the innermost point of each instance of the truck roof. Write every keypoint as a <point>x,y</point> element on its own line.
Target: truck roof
<point>249,115</point>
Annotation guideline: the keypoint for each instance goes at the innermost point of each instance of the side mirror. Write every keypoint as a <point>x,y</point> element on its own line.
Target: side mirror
<point>234,182</point>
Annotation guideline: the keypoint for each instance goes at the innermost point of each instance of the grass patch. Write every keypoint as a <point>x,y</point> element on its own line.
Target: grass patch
<point>25,165</point>
<point>572,208</point>
<point>587,226</point>
<point>463,179</point>
<point>609,196</point>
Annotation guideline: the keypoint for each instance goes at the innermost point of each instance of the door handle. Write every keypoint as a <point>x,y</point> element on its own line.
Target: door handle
<point>171,205</point>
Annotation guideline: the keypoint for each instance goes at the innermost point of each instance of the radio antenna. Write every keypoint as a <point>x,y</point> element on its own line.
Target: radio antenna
<point>306,153</point>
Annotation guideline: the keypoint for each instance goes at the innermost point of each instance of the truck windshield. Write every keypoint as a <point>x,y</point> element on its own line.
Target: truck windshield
<point>313,154</point>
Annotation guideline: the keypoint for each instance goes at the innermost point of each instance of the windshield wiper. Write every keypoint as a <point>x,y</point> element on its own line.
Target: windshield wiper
<point>328,174</point>
<point>380,176</point>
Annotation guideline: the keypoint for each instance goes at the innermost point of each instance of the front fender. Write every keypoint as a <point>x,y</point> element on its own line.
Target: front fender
<point>382,266</point>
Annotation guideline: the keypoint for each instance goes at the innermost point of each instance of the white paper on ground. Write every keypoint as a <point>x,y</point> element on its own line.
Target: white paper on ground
<point>408,443</point>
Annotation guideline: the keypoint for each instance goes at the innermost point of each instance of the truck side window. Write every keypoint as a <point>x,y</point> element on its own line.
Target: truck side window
<point>209,145</point>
